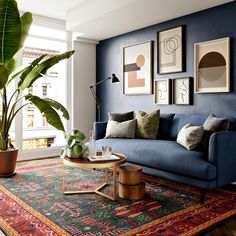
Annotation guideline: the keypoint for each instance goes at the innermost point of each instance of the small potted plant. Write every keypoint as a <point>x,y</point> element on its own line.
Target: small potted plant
<point>74,147</point>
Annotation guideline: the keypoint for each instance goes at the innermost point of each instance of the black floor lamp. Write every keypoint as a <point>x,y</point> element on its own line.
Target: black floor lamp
<point>113,79</point>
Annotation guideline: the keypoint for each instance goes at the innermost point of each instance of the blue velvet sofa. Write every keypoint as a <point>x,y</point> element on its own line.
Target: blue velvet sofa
<point>164,157</point>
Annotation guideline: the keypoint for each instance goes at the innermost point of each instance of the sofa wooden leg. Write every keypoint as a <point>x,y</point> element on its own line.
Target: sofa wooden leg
<point>202,196</point>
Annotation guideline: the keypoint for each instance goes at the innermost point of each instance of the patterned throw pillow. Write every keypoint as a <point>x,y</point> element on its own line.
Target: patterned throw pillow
<point>124,129</point>
<point>121,117</point>
<point>190,136</point>
<point>147,124</point>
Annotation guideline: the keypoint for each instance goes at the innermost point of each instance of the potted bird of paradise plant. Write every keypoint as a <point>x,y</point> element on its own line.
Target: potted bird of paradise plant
<point>13,32</point>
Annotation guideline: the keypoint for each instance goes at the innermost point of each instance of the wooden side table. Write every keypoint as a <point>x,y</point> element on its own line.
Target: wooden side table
<point>130,182</point>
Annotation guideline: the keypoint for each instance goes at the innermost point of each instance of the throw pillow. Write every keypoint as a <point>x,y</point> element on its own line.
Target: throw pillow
<point>120,117</point>
<point>190,136</point>
<point>147,124</point>
<point>213,124</point>
<point>124,129</point>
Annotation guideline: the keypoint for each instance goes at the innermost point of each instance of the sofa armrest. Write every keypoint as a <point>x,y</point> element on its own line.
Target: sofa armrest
<point>222,153</point>
<point>100,129</point>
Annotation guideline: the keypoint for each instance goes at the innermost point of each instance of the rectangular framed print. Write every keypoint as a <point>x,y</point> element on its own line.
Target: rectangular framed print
<point>137,69</point>
<point>181,91</point>
<point>212,66</point>
<point>170,51</point>
<point>162,91</point>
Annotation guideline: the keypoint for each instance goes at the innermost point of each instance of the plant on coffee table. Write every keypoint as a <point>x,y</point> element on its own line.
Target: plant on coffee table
<point>74,146</point>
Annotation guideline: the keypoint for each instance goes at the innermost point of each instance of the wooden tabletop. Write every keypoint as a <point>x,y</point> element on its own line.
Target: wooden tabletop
<point>85,163</point>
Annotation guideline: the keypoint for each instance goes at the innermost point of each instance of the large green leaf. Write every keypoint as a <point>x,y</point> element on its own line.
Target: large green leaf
<point>3,76</point>
<point>42,69</point>
<point>16,73</point>
<point>10,29</point>
<point>58,106</point>
<point>30,68</point>
<point>51,115</point>
<point>11,65</point>
<point>26,21</point>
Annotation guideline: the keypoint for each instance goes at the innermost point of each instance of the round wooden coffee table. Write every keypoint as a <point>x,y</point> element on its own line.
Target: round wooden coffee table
<point>86,164</point>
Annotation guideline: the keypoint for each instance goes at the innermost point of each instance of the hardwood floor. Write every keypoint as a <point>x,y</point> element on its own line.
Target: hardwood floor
<point>226,228</point>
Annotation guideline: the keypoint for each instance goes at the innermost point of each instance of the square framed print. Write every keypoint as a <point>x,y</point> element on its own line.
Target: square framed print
<point>170,50</point>
<point>181,91</point>
<point>162,91</point>
<point>212,66</point>
<point>138,69</point>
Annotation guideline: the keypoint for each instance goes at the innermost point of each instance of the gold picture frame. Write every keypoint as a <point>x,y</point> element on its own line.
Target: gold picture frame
<point>138,69</point>
<point>212,66</point>
<point>162,91</point>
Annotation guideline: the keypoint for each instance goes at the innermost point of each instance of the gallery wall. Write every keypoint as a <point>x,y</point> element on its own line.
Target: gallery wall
<point>214,23</point>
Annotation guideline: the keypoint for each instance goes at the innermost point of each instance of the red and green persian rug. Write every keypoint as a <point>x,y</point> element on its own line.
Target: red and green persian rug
<point>32,203</point>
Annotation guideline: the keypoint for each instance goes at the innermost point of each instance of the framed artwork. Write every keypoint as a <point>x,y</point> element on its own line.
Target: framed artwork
<point>162,91</point>
<point>170,50</point>
<point>212,66</point>
<point>137,69</point>
<point>181,91</point>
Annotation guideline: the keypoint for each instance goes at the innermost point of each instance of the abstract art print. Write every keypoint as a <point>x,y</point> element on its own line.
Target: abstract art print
<point>162,91</point>
<point>137,69</point>
<point>170,50</point>
<point>181,91</point>
<point>212,66</point>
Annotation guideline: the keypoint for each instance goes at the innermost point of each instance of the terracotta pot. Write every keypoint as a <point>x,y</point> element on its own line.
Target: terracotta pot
<point>8,162</point>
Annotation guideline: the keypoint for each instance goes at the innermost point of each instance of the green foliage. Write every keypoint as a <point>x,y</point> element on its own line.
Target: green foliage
<point>3,76</point>
<point>13,32</point>
<point>75,146</point>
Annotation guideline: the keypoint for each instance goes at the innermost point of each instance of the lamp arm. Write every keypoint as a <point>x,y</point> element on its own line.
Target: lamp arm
<point>98,103</point>
<point>94,85</point>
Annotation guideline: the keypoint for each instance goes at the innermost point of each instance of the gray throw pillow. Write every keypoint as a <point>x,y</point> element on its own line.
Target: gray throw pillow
<point>120,117</point>
<point>124,129</point>
<point>190,136</point>
<point>213,124</point>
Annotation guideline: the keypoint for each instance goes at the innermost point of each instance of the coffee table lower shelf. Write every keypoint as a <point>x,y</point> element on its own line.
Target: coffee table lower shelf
<point>97,190</point>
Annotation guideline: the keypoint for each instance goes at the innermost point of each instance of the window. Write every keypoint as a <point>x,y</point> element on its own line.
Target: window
<point>45,90</point>
<point>30,90</point>
<point>31,131</point>
<point>30,117</point>
<point>44,121</point>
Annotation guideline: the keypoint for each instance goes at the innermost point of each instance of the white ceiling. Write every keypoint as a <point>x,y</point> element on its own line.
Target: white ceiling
<point>101,19</point>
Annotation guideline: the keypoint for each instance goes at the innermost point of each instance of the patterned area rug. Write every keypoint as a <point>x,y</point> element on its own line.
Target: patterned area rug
<point>32,203</point>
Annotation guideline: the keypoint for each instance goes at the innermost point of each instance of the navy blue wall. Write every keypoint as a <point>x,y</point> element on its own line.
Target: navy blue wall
<point>214,23</point>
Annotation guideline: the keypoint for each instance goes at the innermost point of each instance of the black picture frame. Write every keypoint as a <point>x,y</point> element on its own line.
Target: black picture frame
<point>182,91</point>
<point>175,39</point>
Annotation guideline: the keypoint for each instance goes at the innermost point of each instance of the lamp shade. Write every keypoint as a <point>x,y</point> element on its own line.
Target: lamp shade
<point>114,79</point>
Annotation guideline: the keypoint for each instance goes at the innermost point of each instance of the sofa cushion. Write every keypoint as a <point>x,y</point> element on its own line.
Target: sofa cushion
<point>232,122</point>
<point>120,117</point>
<point>124,129</point>
<point>164,126</point>
<point>213,124</point>
<point>180,120</point>
<point>163,155</point>
<point>147,124</point>
<point>190,136</point>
